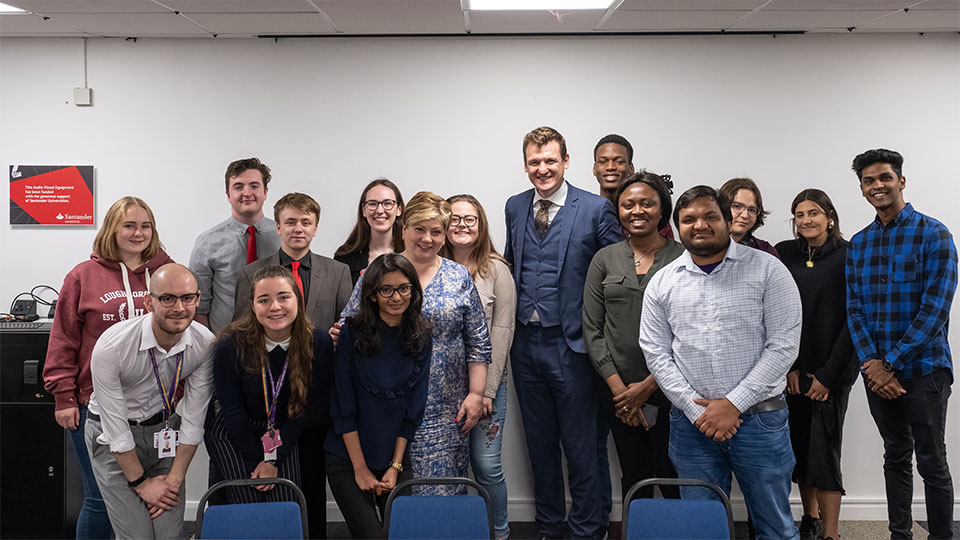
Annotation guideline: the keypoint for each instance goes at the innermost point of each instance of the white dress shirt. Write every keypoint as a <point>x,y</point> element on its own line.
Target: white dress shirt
<point>559,198</point>
<point>125,388</point>
<point>733,333</point>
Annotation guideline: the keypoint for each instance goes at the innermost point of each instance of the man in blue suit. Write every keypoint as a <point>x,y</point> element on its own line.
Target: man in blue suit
<point>553,231</point>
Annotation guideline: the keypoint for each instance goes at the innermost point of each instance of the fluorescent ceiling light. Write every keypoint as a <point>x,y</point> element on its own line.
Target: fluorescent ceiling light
<point>516,5</point>
<point>10,9</point>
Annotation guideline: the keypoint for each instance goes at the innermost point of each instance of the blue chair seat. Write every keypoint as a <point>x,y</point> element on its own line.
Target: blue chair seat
<point>677,519</point>
<point>439,517</point>
<point>284,520</point>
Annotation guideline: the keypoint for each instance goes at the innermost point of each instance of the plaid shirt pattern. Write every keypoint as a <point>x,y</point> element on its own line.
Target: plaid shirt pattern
<point>900,284</point>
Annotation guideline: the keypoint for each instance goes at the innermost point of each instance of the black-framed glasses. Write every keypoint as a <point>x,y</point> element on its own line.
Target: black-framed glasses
<point>388,204</point>
<point>386,291</point>
<point>170,300</point>
<point>468,220</point>
<point>739,208</point>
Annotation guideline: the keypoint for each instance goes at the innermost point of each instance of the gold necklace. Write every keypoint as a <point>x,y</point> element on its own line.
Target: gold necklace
<point>809,256</point>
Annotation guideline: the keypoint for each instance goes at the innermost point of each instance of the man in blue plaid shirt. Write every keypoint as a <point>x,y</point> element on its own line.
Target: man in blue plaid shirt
<point>901,277</point>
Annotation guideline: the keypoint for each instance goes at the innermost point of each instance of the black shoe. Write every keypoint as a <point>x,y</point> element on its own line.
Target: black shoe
<point>811,528</point>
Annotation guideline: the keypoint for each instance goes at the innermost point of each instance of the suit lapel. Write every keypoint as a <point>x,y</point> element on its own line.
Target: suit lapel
<point>317,278</point>
<point>570,208</point>
<point>520,227</point>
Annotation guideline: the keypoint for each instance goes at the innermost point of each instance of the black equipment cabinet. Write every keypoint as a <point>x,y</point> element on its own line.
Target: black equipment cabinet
<point>41,490</point>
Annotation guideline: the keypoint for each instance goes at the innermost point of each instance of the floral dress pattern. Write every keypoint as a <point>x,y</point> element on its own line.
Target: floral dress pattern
<point>460,336</point>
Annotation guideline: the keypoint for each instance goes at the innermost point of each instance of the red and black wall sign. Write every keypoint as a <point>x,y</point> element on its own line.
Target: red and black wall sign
<point>51,195</point>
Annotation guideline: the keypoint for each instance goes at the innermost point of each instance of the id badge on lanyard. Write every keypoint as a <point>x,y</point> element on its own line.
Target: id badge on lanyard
<point>271,439</point>
<point>166,440</point>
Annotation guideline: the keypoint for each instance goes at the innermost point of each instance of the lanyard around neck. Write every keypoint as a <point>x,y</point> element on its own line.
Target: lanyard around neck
<point>167,396</point>
<point>271,404</point>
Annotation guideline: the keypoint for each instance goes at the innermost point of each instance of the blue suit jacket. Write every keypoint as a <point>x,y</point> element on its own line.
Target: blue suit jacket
<point>589,224</point>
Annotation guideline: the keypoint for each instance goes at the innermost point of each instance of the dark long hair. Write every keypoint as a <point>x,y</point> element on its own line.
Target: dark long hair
<point>821,199</point>
<point>365,325</point>
<point>360,235</point>
<point>248,334</point>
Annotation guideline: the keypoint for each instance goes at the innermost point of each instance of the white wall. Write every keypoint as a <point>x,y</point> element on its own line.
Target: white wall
<point>448,115</point>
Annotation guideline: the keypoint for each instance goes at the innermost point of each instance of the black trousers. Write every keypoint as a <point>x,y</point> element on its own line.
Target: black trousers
<point>360,509</point>
<point>313,474</point>
<point>642,454</point>
<point>916,422</point>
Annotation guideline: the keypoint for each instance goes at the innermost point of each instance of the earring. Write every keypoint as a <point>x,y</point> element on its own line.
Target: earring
<point>830,227</point>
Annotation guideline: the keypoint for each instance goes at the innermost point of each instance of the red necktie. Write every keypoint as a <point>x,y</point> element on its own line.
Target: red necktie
<point>295,267</point>
<point>251,244</point>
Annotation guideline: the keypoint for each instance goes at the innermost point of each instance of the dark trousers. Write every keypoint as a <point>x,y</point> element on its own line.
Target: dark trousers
<point>313,473</point>
<point>558,404</point>
<point>916,422</point>
<point>642,454</point>
<point>362,511</point>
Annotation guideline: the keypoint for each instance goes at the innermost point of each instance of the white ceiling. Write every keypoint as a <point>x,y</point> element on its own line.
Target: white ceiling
<point>258,18</point>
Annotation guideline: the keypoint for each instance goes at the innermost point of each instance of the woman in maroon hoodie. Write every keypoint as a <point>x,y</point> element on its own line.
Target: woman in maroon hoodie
<point>96,294</point>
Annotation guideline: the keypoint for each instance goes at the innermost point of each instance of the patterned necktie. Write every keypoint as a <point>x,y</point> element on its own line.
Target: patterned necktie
<point>295,268</point>
<point>251,244</point>
<point>541,221</point>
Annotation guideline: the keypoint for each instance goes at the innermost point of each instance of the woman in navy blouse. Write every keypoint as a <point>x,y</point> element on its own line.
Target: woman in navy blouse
<point>379,393</point>
<point>269,369</point>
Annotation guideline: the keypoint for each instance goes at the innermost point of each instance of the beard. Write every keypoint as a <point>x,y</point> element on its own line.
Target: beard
<point>706,248</point>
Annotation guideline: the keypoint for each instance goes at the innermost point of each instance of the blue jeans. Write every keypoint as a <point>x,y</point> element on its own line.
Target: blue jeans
<point>93,521</point>
<point>759,454</point>
<point>486,439</point>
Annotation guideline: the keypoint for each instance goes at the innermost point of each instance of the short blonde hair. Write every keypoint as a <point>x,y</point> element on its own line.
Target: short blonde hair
<point>425,206</point>
<point>300,201</point>
<point>105,243</point>
<point>540,137</point>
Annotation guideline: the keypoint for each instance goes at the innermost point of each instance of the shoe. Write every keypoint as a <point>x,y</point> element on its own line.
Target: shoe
<point>811,528</point>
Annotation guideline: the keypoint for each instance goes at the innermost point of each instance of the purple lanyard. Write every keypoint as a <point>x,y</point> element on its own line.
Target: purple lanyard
<point>167,397</point>
<point>271,405</point>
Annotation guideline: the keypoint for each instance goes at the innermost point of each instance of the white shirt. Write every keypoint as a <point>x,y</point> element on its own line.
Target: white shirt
<point>733,333</point>
<point>124,386</point>
<point>559,198</point>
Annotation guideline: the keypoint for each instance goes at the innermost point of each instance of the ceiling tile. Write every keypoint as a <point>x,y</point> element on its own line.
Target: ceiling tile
<point>538,22</point>
<point>806,20</point>
<point>672,21</point>
<point>922,20</point>
<point>240,6</point>
<point>48,7</point>
<point>689,5</point>
<point>133,25</point>
<point>24,25</point>
<point>263,23</point>
<point>395,17</point>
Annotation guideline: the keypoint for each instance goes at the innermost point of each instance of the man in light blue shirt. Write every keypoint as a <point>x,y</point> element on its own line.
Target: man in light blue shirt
<point>720,328</point>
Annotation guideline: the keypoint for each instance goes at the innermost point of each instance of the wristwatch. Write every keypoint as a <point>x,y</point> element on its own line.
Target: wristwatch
<point>396,466</point>
<point>887,366</point>
<point>138,481</point>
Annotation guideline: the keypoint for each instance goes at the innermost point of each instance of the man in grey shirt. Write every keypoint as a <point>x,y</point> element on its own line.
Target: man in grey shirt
<point>720,328</point>
<point>219,253</point>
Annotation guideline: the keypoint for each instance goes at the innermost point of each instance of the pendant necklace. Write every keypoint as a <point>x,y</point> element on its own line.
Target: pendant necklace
<point>809,256</point>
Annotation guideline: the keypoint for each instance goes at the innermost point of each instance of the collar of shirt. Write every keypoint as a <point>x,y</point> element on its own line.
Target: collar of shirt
<point>559,197</point>
<point>902,216</point>
<point>271,345</point>
<point>734,252</point>
<point>148,340</point>
<point>285,259</point>
<point>241,227</point>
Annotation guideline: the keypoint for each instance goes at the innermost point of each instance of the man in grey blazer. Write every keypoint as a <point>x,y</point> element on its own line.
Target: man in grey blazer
<point>326,287</point>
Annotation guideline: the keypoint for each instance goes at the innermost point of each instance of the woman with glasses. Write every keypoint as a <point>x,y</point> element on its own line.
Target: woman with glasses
<point>461,344</point>
<point>469,243</point>
<point>746,205</point>
<point>95,295</point>
<point>269,368</point>
<point>637,410</point>
<point>379,393</point>
<point>818,384</point>
<point>377,230</point>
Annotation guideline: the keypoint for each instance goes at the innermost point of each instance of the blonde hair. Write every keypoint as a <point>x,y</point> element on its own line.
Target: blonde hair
<point>105,243</point>
<point>540,137</point>
<point>483,252</point>
<point>425,206</point>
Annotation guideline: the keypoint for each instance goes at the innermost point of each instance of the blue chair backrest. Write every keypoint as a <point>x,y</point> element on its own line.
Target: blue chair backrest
<point>436,517</point>
<point>274,520</point>
<point>676,519</point>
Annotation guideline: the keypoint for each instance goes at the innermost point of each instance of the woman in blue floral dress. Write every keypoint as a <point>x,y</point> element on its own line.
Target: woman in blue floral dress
<point>461,343</point>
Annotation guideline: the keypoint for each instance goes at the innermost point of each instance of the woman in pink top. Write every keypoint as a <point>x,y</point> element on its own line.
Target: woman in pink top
<point>96,294</point>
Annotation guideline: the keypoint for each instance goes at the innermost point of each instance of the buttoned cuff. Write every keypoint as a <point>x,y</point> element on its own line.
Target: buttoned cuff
<point>122,443</point>
<point>742,399</point>
<point>693,411</point>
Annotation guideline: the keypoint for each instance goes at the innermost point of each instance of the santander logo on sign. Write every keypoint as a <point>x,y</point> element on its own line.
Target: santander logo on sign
<point>59,216</point>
